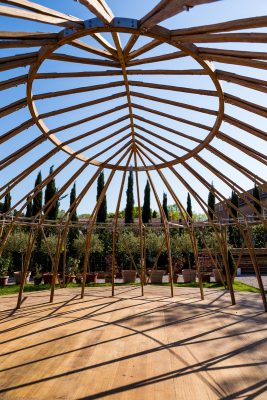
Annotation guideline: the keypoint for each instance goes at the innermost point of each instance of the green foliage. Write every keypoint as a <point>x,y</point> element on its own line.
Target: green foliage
<point>154,214</point>
<point>129,217</point>
<point>146,211</point>
<point>256,194</point>
<point>181,244</point>
<point>5,263</point>
<point>52,241</point>
<point>234,236</point>
<point>17,242</point>
<point>72,266</point>
<point>165,205</point>
<point>189,206</point>
<point>96,245</point>
<point>38,199</point>
<point>211,203</point>
<point>102,212</point>
<point>50,192</point>
<point>258,235</point>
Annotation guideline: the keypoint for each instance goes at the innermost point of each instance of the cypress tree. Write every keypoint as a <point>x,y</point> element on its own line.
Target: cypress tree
<point>73,231</point>
<point>146,211</point>
<point>233,231</point>
<point>37,202</point>
<point>189,206</point>
<point>29,209</point>
<point>256,194</point>
<point>102,212</point>
<point>165,205</point>
<point>211,203</point>
<point>50,192</point>
<point>129,218</point>
<point>7,203</point>
<point>235,202</point>
<point>154,214</point>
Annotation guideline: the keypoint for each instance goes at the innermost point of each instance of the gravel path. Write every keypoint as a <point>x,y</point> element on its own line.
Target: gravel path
<point>252,280</point>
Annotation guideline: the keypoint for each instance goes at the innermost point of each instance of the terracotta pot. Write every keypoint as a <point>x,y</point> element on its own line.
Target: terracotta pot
<point>48,279</point>
<point>189,275</point>
<point>18,276</point>
<point>3,280</point>
<point>128,276</point>
<point>91,278</point>
<point>157,275</point>
<point>205,277</point>
<point>37,280</point>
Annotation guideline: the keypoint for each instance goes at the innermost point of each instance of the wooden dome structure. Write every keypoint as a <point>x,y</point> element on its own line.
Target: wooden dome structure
<point>125,127</point>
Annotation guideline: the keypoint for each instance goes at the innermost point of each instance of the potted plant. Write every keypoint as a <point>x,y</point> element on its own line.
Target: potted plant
<point>48,278</point>
<point>4,265</point>
<point>18,243</point>
<point>37,279</point>
<point>18,277</point>
<point>128,275</point>
<point>156,275</point>
<point>72,269</point>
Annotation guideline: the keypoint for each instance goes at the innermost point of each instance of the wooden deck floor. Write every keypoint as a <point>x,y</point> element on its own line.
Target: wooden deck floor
<point>129,347</point>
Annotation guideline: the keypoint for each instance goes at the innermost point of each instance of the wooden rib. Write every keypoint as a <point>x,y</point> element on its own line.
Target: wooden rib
<point>174,88</point>
<point>246,81</point>
<point>166,9</point>
<point>9,83</point>
<point>246,127</point>
<point>78,90</point>
<point>98,129</point>
<point>174,103</point>
<point>20,60</point>
<point>168,129</point>
<point>11,158</point>
<point>129,45</point>
<point>222,38</point>
<point>235,60</point>
<point>112,135</point>
<point>82,105</point>
<point>12,35</point>
<point>258,55</point>
<point>246,105</point>
<point>15,44</point>
<point>245,149</point>
<point>81,121</point>
<point>104,43</point>
<point>91,49</point>
<point>54,75</point>
<point>100,9</point>
<point>164,139</point>
<point>37,17</point>
<point>238,24</point>
<point>185,121</point>
<point>27,5</point>
<point>15,131</point>
<point>154,144</point>
<point>10,108</point>
<point>141,50</point>
<point>155,59</point>
<point>83,60</point>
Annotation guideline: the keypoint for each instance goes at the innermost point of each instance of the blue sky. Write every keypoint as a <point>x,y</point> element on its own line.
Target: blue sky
<point>207,14</point>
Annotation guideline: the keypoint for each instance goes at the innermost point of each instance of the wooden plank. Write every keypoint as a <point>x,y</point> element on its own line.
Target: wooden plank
<point>87,119</point>
<point>181,89</point>
<point>141,50</point>
<point>15,131</point>
<point>36,17</point>
<point>83,60</point>
<point>258,55</point>
<point>55,75</point>
<point>100,9</point>
<point>223,38</point>
<point>238,24</point>
<point>246,105</point>
<point>9,83</point>
<point>81,105</point>
<point>235,60</point>
<point>154,59</point>
<point>246,81</point>
<point>174,103</point>
<point>166,9</point>
<point>78,90</point>
<point>27,35</point>
<point>246,127</point>
<point>92,49</point>
<point>13,44</point>
<point>13,107</point>
<point>17,61</point>
<point>28,5</point>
